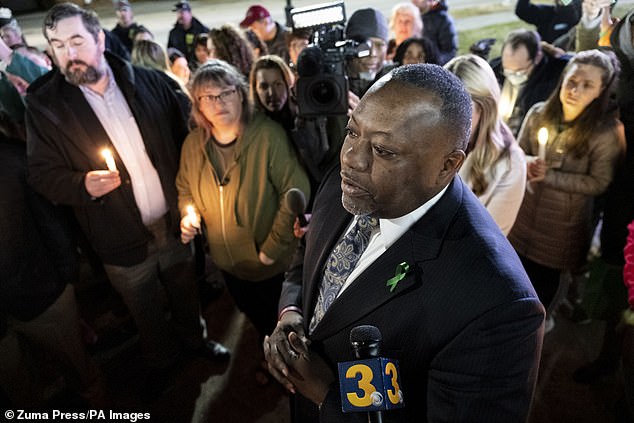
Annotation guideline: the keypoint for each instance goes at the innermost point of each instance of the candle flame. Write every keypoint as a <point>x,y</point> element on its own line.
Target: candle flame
<point>542,136</point>
<point>107,155</point>
<point>192,216</point>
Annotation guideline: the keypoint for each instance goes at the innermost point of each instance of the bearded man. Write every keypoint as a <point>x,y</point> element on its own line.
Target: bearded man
<point>127,210</point>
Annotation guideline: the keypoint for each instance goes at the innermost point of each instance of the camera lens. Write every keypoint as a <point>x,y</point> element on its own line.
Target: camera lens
<point>324,92</point>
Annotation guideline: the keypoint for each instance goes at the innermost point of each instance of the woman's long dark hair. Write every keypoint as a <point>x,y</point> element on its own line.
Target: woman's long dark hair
<point>431,52</point>
<point>600,114</point>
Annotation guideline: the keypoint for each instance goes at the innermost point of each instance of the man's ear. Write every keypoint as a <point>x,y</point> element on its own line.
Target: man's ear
<point>538,57</point>
<point>101,41</point>
<point>451,166</point>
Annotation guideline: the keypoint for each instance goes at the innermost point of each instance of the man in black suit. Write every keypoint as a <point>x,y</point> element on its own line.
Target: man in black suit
<point>463,320</point>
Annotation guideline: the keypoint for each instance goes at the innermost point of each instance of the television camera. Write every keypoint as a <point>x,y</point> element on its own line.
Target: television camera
<point>322,86</point>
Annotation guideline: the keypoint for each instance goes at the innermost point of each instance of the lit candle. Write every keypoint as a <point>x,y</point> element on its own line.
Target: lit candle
<point>107,154</point>
<point>192,216</point>
<point>542,140</point>
<point>504,107</point>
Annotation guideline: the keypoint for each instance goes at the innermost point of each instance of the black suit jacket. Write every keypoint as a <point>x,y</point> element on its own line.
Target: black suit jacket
<point>465,322</point>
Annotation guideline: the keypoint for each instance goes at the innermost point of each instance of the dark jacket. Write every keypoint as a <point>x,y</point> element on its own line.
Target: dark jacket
<point>278,44</point>
<point>65,137</point>
<point>439,27</point>
<point>114,45</point>
<point>551,20</point>
<point>38,258</point>
<point>463,273</point>
<point>619,202</point>
<point>126,35</point>
<point>183,40</point>
<point>541,83</point>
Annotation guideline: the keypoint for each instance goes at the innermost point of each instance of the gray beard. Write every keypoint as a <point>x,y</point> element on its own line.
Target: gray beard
<point>88,76</point>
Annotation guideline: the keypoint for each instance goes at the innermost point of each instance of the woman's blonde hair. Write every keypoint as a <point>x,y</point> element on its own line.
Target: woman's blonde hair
<point>151,55</point>
<point>491,138</point>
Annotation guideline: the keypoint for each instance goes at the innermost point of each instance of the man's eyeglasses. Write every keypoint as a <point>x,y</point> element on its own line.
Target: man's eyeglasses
<point>517,73</point>
<point>220,98</point>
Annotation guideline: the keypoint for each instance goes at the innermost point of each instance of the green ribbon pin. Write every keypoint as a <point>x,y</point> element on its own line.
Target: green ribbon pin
<point>399,274</point>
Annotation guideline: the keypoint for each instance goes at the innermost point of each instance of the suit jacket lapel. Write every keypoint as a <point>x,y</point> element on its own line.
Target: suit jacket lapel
<point>82,123</point>
<point>421,243</point>
<point>338,219</point>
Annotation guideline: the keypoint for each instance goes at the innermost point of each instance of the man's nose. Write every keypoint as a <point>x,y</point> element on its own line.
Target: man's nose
<point>354,156</point>
<point>71,52</point>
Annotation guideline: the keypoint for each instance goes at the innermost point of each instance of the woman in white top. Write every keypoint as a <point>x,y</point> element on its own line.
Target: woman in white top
<point>495,167</point>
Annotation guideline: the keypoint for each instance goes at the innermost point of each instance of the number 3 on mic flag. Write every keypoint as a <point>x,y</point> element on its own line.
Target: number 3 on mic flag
<point>370,385</point>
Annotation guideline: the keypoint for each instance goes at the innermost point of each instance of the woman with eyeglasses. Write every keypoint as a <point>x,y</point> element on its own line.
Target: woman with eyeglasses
<point>495,167</point>
<point>236,167</point>
<point>575,164</point>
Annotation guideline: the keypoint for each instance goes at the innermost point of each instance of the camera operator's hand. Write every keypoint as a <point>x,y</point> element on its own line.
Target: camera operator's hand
<point>353,102</point>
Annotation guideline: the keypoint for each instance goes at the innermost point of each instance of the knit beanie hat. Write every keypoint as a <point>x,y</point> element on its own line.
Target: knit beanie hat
<point>366,23</point>
<point>5,16</point>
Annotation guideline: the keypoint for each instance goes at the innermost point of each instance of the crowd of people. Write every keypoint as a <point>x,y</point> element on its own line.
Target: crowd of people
<point>507,169</point>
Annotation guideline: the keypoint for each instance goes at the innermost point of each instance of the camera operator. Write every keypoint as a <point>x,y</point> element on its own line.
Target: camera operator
<point>333,73</point>
<point>317,140</point>
<point>367,26</point>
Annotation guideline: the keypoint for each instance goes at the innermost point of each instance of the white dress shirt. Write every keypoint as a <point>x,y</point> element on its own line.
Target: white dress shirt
<point>115,116</point>
<point>390,230</point>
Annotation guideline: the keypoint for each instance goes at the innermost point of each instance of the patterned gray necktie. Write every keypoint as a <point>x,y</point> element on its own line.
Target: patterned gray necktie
<point>341,263</point>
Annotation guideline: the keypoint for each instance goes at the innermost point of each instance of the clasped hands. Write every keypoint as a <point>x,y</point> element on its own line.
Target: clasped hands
<point>291,361</point>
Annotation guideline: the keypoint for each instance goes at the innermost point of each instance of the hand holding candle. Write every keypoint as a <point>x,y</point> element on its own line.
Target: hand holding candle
<point>193,217</point>
<point>542,140</point>
<point>107,155</point>
<point>190,224</point>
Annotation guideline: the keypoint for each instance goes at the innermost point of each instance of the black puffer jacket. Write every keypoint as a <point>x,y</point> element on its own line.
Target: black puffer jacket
<point>183,39</point>
<point>439,27</point>
<point>551,20</point>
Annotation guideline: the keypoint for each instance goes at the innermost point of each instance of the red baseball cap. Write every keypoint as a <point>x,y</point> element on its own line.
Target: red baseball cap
<point>255,13</point>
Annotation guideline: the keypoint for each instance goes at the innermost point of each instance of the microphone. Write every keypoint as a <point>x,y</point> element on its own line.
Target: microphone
<point>365,341</point>
<point>370,383</point>
<point>296,202</point>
